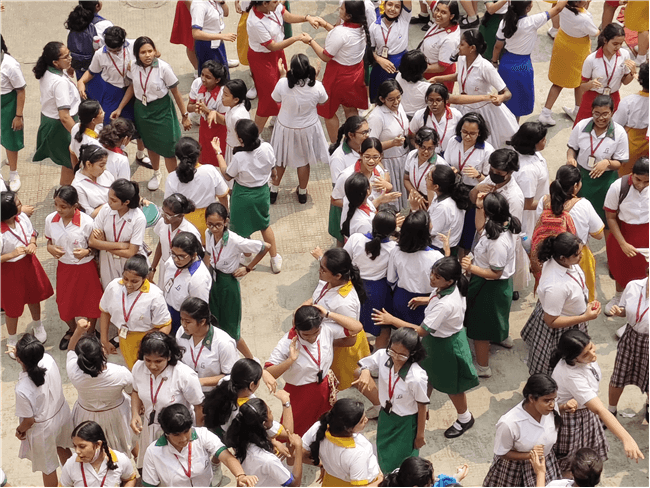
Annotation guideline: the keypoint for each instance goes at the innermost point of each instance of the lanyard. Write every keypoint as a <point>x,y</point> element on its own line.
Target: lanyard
<point>114,149</point>
<point>591,142</point>
<point>127,316</point>
<point>638,309</point>
<point>146,82</point>
<point>433,33</point>
<point>399,121</point>
<point>461,164</point>
<point>391,389</point>
<point>274,18</point>
<point>462,82</point>
<point>435,125</point>
<point>116,236</point>
<point>95,183</point>
<point>154,398</point>
<point>388,34</point>
<point>609,77</point>
<point>83,474</point>
<point>581,283</point>
<point>322,293</point>
<point>312,357</point>
<point>198,356</point>
<point>26,242</point>
<point>426,169</point>
<point>123,72</point>
<point>188,471</point>
<point>216,259</point>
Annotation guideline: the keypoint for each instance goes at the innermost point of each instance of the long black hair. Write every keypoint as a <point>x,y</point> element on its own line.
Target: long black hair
<point>504,159</point>
<point>30,351</point>
<point>539,385</point>
<point>90,153</point>
<point>175,419</point>
<point>126,190</point>
<point>414,471</point>
<point>338,261</point>
<point>415,235</point>
<point>238,90</point>
<point>79,19</point>
<point>410,339</point>
<point>609,32</point>
<point>586,467</point>
<point>68,194</point>
<point>356,191</point>
<point>248,132</point>
<point>91,431</point>
<point>356,9</point>
<point>516,10</point>
<point>199,310</point>
<point>527,137</point>
<point>301,73</point>
<point>441,90</point>
<point>571,345</point>
<point>88,110</point>
<point>450,184</point>
<point>306,318</point>
<point>187,150</point>
<point>383,226</point>
<point>8,206</point>
<point>51,53</point>
<point>189,243</point>
<point>449,268</point>
<point>561,188</point>
<point>179,204</point>
<point>563,245</point>
<point>351,125</point>
<point>137,46</point>
<point>248,428</point>
<point>344,416</point>
<point>4,46</point>
<point>90,355</point>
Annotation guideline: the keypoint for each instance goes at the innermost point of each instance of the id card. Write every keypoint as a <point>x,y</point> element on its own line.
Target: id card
<point>591,161</point>
<point>388,408</point>
<point>124,331</point>
<point>607,90</point>
<point>144,100</point>
<point>384,52</point>
<point>168,285</point>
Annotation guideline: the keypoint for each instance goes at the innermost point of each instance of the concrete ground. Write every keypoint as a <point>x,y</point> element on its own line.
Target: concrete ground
<point>269,300</point>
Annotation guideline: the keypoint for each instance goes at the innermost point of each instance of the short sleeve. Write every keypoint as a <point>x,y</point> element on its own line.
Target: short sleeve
<point>200,284</point>
<point>574,138</point>
<point>194,90</point>
<point>167,75</point>
<point>417,121</point>
<point>191,386</point>
<point>434,317</point>
<point>100,218</point>
<point>280,353</point>
<point>622,114</point>
<point>198,14</point>
<point>418,386</point>
<point>228,354</point>
<point>579,388</point>
<point>498,254</point>
<point>220,185</point>
<point>71,363</point>
<point>149,472</point>
<point>504,440</point>
<point>279,90</point>
<point>553,300</point>
<point>338,192</point>
<point>310,436</point>
<point>527,183</point>
<point>538,20</point>
<point>95,67</point>
<point>611,199</point>
<point>371,362</point>
<point>47,229</point>
<point>139,228</point>
<point>334,41</point>
<point>492,76</point>
<point>211,442</point>
<point>587,68</point>
<point>233,166</point>
<point>24,408</point>
<point>391,273</point>
<point>127,472</point>
<point>322,93</point>
<point>159,312</point>
<point>359,467</point>
<point>447,50</point>
<point>622,150</point>
<point>276,473</point>
<point>375,123</point>
<point>62,94</point>
<point>595,222</point>
<point>439,220</point>
<point>66,478</point>
<point>250,246</point>
<point>500,36</point>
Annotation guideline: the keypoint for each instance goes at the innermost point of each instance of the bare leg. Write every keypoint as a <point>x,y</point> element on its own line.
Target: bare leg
<point>350,111</point>
<point>136,450</point>
<point>424,10</point>
<point>35,310</point>
<point>556,22</point>
<point>279,173</point>
<point>553,93</point>
<point>170,164</point>
<point>482,349</point>
<point>50,479</point>
<point>191,55</point>
<point>382,339</point>
<point>606,234</point>
<point>608,15</point>
<point>469,6</point>
<point>243,348</point>
<point>12,159</point>
<point>155,160</point>
<point>614,395</point>
<point>140,145</point>
<point>303,176</point>
<point>12,325</point>
<point>460,402</point>
<point>67,175</point>
<point>260,122</point>
<point>332,126</point>
<point>268,236</point>
<point>72,325</point>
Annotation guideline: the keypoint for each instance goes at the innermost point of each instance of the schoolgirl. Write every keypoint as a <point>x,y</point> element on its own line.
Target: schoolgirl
<point>12,94</point>
<point>417,471</point>
<point>570,48</point>
<point>154,114</point>
<point>114,137</point>
<point>91,180</point>
<point>225,269</point>
<point>586,468</point>
<point>179,445</point>
<point>636,19</point>
<point>103,388</point>
<point>419,163</point>
<point>494,12</point>
<point>359,210</point>
<point>411,78</point>
<point>412,255</point>
<point>202,184</point>
<point>251,167</point>
<point>517,37</point>
<point>237,105</point>
<point>605,70</point>
<point>578,377</point>
<point>118,229</point>
<point>449,200</point>
<point>562,300</point>
<point>207,31</point>
<point>95,463</point>
<point>67,231</point>
<point>441,41</point>
<point>186,275</point>
<point>44,429</point>
<point>298,139</point>
<point>20,267</point>
<point>388,50</point>
<point>91,115</point>
<point>437,115</point>
<point>336,443</point>
<point>490,288</point>
<point>143,298</point>
<point>370,252</point>
<point>59,105</point>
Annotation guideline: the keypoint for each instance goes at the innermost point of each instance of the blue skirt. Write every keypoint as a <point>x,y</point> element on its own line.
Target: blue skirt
<point>469,229</point>
<point>378,294</point>
<point>176,320</point>
<point>401,299</point>
<point>111,99</point>
<point>517,73</point>
<point>204,52</point>
<point>95,88</point>
<point>378,75</point>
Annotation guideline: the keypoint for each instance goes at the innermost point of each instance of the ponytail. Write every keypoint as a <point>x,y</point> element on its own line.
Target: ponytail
<point>344,416</point>
<point>30,351</point>
<point>571,344</point>
<point>51,53</point>
<point>450,184</point>
<point>352,124</point>
<point>511,18</point>
<point>498,217</point>
<point>88,110</point>
<point>383,226</point>
<point>356,191</point>
<point>338,261</point>
<point>92,432</point>
<point>248,428</point>
<point>560,190</point>
<point>187,151</point>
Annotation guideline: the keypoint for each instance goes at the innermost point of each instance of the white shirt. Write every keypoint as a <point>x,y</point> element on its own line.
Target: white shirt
<point>497,254</point>
<point>88,137</point>
<point>610,72</point>
<point>234,115</point>
<point>166,234</point>
<point>298,104</point>
<point>266,466</point>
<point>413,98</point>
<point>71,474</point>
<point>361,220</point>
<point>58,92</point>
<point>395,37</point>
<point>130,227</point>
<point>341,299</point>
<point>73,236</point>
<point>205,187</point>
<point>263,29</point>
<point>91,193</point>
<point>476,156</point>
<point>386,125</point>
<point>523,41</point>
<point>212,99</point>
<point>372,270</point>
<point>445,216</point>
<point>562,482</point>
<point>346,44</point>
<point>410,271</point>
<point>192,281</point>
<point>562,291</point>
<point>445,127</point>
<point>409,387</point>
<point>634,208</point>
<point>113,67</point>
<point>580,25</point>
<point>207,16</point>
<point>161,79</point>
<point>445,312</point>
<point>417,172</point>
<point>633,111</point>
<point>338,193</point>
<point>513,194</point>
<point>518,431</point>
<point>611,144</point>
<point>252,168</point>
<point>439,45</point>
<point>20,236</point>
<point>224,256</point>
<point>585,218</point>
<point>533,181</point>
<point>580,382</point>
<point>11,76</point>
<point>118,164</point>
<point>340,159</point>
<point>635,302</point>
<point>478,79</point>
<point>40,402</point>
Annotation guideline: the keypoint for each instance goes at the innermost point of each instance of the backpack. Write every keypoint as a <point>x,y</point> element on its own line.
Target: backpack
<point>625,188</point>
<point>81,46</point>
<point>549,225</point>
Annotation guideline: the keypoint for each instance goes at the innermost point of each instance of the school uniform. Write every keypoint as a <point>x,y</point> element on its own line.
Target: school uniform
<point>233,115</point>
<point>88,137</point>
<point>139,312</point>
<point>104,399</point>
<point>208,16</point>
<point>182,28</point>
<point>118,163</point>
<point>47,406</point>
<point>266,466</point>
<point>561,292</point>
<point>166,234</point>
<point>445,216</point>
<point>154,112</point>
<point>298,138</point>
<point>77,473</point>
<point>58,92</point>
<point>361,220</point>
<point>373,273</point>
<point>445,127</point>
<point>338,193</point>
<point>11,80</point>
<point>165,466</point>
<point>340,159</point>
<point>582,428</point>
<point>414,96</point>
<point>489,26</point>
<point>518,431</point>
<point>533,181</point>
<point>632,115</point>
<point>438,46</point>
<point>214,101</point>
<point>92,194</point>
<point>224,288</point>
<point>29,283</point>
<point>417,173</point>
<point>75,278</point>
<point>175,384</point>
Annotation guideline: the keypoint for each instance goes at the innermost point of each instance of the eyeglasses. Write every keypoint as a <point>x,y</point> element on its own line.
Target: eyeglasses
<point>468,134</point>
<point>176,257</point>
<point>427,149</point>
<point>431,102</point>
<point>393,99</point>
<point>66,56</point>
<point>218,225</point>
<point>169,217</point>
<point>597,115</point>
<point>363,132</point>
<point>371,158</point>
<point>396,355</point>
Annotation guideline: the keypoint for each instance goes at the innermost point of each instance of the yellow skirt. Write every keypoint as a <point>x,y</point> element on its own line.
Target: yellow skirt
<point>636,15</point>
<point>198,219</point>
<point>569,53</point>
<point>329,480</point>
<point>638,145</point>
<point>588,265</point>
<point>130,347</point>
<point>242,39</point>
<point>345,361</point>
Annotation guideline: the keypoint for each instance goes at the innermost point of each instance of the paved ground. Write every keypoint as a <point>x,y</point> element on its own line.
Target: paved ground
<point>268,299</point>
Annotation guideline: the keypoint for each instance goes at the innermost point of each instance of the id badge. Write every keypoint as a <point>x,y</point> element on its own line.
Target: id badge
<point>144,100</point>
<point>591,161</point>
<point>124,331</point>
<point>319,377</point>
<point>607,90</point>
<point>152,418</point>
<point>384,52</point>
<point>168,285</point>
<point>389,407</point>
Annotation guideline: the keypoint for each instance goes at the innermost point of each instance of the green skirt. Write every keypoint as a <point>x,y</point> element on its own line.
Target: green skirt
<point>334,226</point>
<point>11,140</point>
<point>158,125</point>
<point>249,209</point>
<point>53,141</point>
<point>595,189</point>
<point>225,303</point>
<point>395,439</point>
<point>488,309</point>
<point>449,363</point>
<point>489,31</point>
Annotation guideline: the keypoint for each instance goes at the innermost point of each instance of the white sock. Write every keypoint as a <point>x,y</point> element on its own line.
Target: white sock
<point>274,188</point>
<point>13,174</point>
<point>612,408</point>
<point>140,155</point>
<point>465,417</point>
<point>302,191</point>
<point>38,324</point>
<point>12,339</point>
<point>546,111</point>
<point>156,172</point>
<point>472,18</point>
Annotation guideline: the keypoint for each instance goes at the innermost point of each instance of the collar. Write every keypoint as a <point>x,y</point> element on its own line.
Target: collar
<point>478,145</point>
<point>194,266</point>
<point>364,207</point>
<point>154,64</point>
<point>76,218</point>
<point>448,114</point>
<point>146,286</point>
<point>369,236</point>
<point>52,69</point>
<point>259,14</point>
<point>213,93</point>
<point>610,129</point>
<point>162,440</point>
<point>91,133</point>
<point>600,53</point>
<point>351,25</point>
<point>124,46</point>
<point>242,400</point>
<point>357,169</point>
<point>432,160</point>
<point>224,238</point>
<point>402,373</point>
<point>345,148</point>
<point>117,150</point>
<point>5,228</point>
<point>207,340</point>
<point>643,93</point>
<point>561,270</point>
<point>446,291</point>
<point>346,442</point>
<point>344,290</point>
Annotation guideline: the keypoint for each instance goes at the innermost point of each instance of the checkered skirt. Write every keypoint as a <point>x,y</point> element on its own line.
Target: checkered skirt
<point>580,429</point>
<point>632,356</point>
<point>542,340</point>
<point>504,472</point>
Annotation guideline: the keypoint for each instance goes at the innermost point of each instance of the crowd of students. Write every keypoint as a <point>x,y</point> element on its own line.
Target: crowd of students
<point>441,209</point>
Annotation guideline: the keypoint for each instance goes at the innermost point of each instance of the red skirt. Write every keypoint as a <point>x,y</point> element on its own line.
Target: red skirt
<point>450,70</point>
<point>206,134</point>
<point>345,85</point>
<point>626,269</point>
<point>23,282</point>
<point>308,402</point>
<point>264,68</point>
<point>78,290</point>
<point>587,99</point>
<point>182,29</point>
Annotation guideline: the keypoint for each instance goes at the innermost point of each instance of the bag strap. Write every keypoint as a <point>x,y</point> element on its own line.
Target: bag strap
<point>625,188</point>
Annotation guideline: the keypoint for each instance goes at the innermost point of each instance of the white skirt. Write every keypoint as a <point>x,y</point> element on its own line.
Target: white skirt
<point>522,267</point>
<point>500,121</point>
<point>149,434</point>
<point>395,168</point>
<point>115,423</point>
<point>111,266</point>
<point>296,148</point>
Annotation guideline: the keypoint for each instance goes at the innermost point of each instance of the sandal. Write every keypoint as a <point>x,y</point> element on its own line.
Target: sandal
<point>65,340</point>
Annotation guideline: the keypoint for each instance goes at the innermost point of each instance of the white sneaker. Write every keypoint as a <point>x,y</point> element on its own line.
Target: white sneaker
<point>546,119</point>
<point>233,63</point>
<point>508,343</point>
<point>571,112</point>
<point>252,93</point>
<point>154,182</point>
<point>613,302</point>
<point>483,371</point>
<point>552,32</point>
<point>14,183</point>
<point>276,263</point>
<point>40,334</point>
<point>373,412</point>
<point>621,331</point>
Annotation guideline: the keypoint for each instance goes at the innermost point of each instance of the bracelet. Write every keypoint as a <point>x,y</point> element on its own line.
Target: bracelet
<point>237,476</point>
<point>286,405</point>
<point>249,269</point>
<point>19,116</point>
<point>152,268</point>
<point>186,114</point>
<point>327,314</point>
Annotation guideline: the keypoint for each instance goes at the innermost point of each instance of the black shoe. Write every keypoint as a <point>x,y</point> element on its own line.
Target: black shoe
<point>115,342</point>
<point>301,198</point>
<point>144,162</point>
<point>65,341</point>
<point>515,296</point>
<point>274,197</point>
<point>426,27</point>
<point>465,24</point>
<point>452,432</point>
<point>420,19</point>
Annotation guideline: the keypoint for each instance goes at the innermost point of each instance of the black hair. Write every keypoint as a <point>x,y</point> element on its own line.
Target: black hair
<point>68,194</point>
<point>301,73</point>
<point>414,471</point>
<point>79,19</point>
<point>161,344</point>
<point>237,89</point>
<point>199,310</point>
<point>516,10</point>
<point>90,153</point>
<point>137,45</point>
<point>90,355</point>
<point>51,53</point>
<point>450,184</point>
<point>179,204</point>
<point>410,339</point>
<point>340,262</point>
<point>449,268</point>
<point>248,428</point>
<point>640,167</point>
<point>4,46</point>
<point>473,37</point>
<point>474,118</point>
<point>504,159</point>
<point>89,5</point>
<point>357,11</point>
<point>413,66</point>
<point>603,101</point>
<point>175,419</point>
<point>217,70</point>
<point>351,124</point>
<point>586,467</point>
<point>8,207</point>
<point>306,318</point>
<point>453,10</point>
<point>539,385</point>
<point>187,150</point>
<point>425,134</point>
<point>248,132</point>
<point>415,235</point>
<point>216,208</point>
<point>386,87</point>
<point>571,344</point>
<point>114,37</point>
<point>189,243</point>
<point>384,224</point>
<point>91,431</point>
<point>563,245</point>
<point>344,416</point>
<point>498,217</point>
<point>441,90</point>
<point>30,351</point>
<point>112,134</point>
<point>138,264</point>
<point>221,401</point>
<point>561,188</point>
<point>527,137</point>
<point>609,32</point>
<point>643,76</point>
<point>574,6</point>
<point>356,191</point>
<point>127,190</point>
